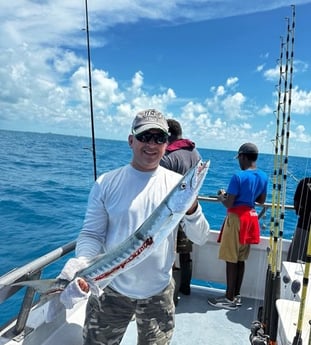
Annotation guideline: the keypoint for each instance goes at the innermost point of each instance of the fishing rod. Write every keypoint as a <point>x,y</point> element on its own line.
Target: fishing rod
<point>290,45</point>
<point>275,276</point>
<point>297,338</point>
<point>90,88</point>
<point>266,328</point>
<point>277,261</point>
<point>265,312</point>
<point>283,177</point>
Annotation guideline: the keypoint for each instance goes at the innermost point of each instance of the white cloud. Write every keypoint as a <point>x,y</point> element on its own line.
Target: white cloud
<point>265,110</point>
<point>137,81</point>
<point>231,81</point>
<point>220,91</point>
<point>42,77</point>
<point>272,74</point>
<point>299,133</point>
<point>301,101</point>
<point>232,105</point>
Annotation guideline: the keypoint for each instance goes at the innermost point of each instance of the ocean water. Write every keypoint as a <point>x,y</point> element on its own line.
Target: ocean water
<point>45,180</point>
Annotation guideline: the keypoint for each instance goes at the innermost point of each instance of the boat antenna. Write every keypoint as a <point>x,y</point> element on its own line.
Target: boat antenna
<point>90,88</point>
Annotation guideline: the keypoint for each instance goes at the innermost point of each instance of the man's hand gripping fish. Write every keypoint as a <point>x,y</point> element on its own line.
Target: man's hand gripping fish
<point>163,220</point>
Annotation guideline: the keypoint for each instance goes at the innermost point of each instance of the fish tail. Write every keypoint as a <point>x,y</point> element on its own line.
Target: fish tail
<point>43,286</point>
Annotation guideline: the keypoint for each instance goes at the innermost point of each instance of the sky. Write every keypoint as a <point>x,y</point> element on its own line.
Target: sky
<point>212,65</point>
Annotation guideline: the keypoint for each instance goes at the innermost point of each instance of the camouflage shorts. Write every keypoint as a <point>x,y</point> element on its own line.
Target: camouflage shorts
<point>108,316</point>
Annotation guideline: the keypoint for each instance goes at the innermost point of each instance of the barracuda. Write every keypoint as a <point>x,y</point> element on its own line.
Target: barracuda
<point>163,220</point>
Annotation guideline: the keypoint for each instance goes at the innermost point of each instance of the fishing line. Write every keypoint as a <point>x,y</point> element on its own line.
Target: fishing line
<point>292,176</point>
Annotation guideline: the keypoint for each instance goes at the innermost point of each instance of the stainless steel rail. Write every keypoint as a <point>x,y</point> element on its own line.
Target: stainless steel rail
<point>29,271</point>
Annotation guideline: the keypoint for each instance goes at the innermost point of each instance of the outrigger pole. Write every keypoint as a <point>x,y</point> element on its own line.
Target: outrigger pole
<point>90,88</point>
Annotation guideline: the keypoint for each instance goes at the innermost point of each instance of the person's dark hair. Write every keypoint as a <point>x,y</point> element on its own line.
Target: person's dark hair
<point>174,128</point>
<point>251,156</point>
<point>249,150</point>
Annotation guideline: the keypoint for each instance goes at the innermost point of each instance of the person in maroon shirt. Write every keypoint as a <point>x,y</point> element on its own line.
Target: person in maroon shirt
<point>180,156</point>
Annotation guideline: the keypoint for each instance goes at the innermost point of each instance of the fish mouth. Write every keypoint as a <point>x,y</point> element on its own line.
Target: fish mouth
<point>203,166</point>
<point>199,173</point>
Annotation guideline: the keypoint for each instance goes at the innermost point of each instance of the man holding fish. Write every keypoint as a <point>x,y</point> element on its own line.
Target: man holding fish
<point>136,209</point>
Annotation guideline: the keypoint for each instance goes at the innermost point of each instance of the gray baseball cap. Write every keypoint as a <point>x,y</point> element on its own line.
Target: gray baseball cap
<point>149,119</point>
<point>247,148</point>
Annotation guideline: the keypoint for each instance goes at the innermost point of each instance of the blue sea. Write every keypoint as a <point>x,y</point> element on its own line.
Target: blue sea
<point>45,181</point>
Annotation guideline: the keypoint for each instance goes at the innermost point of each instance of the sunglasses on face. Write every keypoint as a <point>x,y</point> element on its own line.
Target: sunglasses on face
<point>158,138</point>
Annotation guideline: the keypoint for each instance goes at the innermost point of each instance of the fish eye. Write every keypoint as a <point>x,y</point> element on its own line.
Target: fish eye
<point>183,185</point>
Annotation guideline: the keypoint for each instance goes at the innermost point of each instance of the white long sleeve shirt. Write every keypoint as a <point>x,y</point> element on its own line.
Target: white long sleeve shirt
<point>119,202</point>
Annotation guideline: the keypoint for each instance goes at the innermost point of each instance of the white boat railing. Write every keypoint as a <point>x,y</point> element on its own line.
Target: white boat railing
<point>34,270</point>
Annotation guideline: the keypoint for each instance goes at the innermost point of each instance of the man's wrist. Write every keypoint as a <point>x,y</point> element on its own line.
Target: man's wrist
<point>192,209</point>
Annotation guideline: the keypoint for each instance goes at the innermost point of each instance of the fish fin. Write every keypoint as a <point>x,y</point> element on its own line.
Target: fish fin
<point>45,298</point>
<point>54,309</point>
<point>43,286</point>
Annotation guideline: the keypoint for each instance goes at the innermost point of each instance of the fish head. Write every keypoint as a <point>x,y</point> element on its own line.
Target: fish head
<point>198,175</point>
<point>186,191</point>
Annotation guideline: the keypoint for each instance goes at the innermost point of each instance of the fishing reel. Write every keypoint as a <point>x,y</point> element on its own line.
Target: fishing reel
<point>258,336</point>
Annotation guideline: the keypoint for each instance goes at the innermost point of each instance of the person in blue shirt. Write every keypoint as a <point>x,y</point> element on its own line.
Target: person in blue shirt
<point>241,226</point>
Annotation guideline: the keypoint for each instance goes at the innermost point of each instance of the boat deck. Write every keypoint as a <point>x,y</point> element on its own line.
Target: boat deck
<point>196,323</point>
